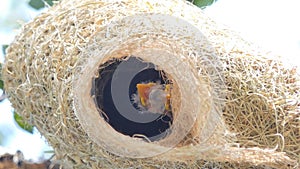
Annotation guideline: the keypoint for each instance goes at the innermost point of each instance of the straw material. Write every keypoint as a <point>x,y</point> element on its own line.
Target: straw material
<point>234,105</point>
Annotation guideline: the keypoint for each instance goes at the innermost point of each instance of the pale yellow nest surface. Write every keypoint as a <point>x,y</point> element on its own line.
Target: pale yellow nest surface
<point>248,111</point>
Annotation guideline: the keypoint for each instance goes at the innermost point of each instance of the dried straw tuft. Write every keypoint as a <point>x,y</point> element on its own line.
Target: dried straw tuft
<point>234,105</point>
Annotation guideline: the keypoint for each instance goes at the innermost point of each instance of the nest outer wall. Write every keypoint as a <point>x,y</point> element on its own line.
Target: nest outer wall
<point>259,103</point>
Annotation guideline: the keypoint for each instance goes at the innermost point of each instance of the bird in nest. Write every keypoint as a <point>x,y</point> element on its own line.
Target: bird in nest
<point>153,97</point>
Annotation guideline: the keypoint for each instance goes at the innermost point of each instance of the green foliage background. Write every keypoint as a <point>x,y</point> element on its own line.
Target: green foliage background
<point>1,138</point>
<point>38,4</point>
<point>1,81</point>
<point>23,124</point>
<point>202,3</point>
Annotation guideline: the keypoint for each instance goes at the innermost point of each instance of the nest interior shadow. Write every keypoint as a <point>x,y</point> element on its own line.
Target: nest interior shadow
<point>102,90</point>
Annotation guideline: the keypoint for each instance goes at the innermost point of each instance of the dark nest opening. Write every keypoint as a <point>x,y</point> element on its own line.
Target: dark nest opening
<point>103,91</point>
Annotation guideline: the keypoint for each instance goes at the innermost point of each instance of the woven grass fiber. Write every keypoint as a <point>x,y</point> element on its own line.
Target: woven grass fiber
<point>234,105</point>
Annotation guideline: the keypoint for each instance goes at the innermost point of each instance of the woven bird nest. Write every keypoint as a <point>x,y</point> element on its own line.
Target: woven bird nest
<point>71,72</point>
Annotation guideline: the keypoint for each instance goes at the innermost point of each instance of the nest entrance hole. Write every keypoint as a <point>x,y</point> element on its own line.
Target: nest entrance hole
<point>102,90</point>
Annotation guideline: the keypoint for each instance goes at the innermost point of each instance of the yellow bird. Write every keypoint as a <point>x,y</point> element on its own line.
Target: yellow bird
<point>153,97</point>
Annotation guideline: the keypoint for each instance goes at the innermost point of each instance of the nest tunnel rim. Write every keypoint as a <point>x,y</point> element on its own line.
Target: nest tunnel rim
<point>152,44</point>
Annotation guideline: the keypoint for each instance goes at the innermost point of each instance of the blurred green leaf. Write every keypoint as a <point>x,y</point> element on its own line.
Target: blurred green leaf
<point>202,3</point>
<point>1,138</point>
<point>1,81</point>
<point>49,151</point>
<point>38,4</point>
<point>1,84</point>
<point>4,49</point>
<point>22,123</point>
